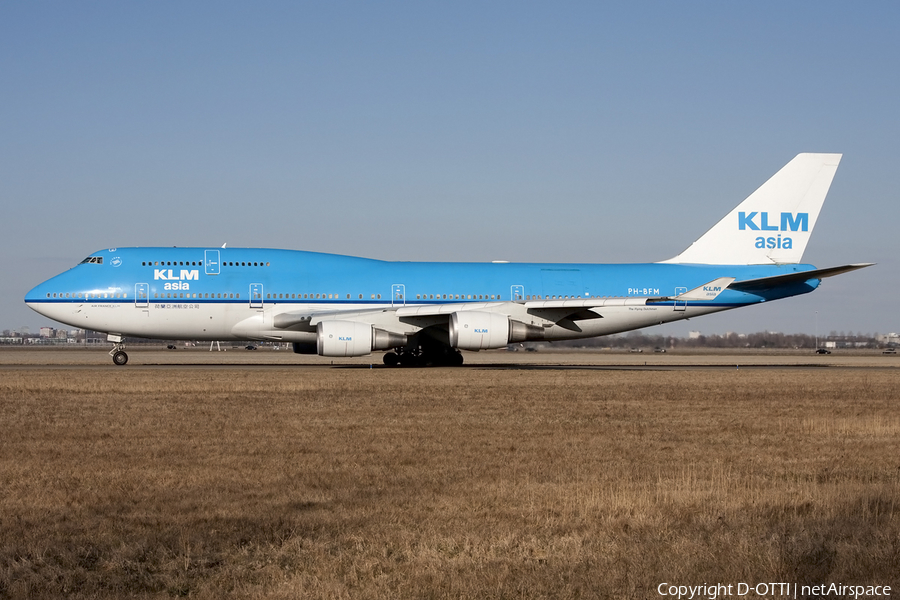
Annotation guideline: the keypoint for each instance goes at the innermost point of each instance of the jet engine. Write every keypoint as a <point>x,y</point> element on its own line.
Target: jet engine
<point>350,338</point>
<point>474,330</point>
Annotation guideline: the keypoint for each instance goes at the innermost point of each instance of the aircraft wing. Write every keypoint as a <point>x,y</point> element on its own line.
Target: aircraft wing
<point>307,320</point>
<point>554,310</point>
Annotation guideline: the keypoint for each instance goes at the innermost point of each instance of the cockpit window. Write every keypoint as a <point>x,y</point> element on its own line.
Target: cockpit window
<point>97,260</point>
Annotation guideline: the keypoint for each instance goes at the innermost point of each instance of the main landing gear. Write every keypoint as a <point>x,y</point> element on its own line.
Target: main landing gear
<point>420,357</point>
<point>118,351</point>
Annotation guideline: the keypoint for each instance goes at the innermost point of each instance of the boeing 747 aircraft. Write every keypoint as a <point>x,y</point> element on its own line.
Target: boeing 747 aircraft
<point>425,313</point>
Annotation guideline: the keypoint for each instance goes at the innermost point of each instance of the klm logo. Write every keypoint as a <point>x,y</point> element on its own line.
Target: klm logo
<point>345,338</point>
<point>712,288</point>
<point>762,221</point>
<point>169,275</point>
<point>481,330</point>
<point>181,279</point>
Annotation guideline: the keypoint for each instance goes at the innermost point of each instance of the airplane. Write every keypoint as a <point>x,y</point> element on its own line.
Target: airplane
<point>424,313</point>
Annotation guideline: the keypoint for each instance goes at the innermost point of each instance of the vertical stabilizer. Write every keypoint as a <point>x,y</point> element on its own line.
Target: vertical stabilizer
<point>773,225</point>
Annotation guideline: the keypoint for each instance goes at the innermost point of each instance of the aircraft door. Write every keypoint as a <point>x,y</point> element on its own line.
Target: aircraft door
<point>398,294</point>
<point>517,293</point>
<point>680,305</point>
<point>211,262</point>
<point>256,295</point>
<point>141,295</point>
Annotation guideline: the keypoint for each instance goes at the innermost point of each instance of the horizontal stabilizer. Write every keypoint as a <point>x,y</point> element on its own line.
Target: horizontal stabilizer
<point>762,283</point>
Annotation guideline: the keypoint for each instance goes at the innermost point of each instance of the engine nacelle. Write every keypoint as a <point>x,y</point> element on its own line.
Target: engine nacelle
<point>349,338</point>
<point>473,330</point>
<point>343,338</point>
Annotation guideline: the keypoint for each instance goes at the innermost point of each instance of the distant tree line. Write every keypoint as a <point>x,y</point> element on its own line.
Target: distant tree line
<point>760,340</point>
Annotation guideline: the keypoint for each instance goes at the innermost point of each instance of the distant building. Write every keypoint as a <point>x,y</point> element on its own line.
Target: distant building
<point>845,341</point>
<point>47,332</point>
<point>694,335</point>
<point>888,339</point>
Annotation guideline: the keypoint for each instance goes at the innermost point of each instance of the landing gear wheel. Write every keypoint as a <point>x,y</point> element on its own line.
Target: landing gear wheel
<point>391,359</point>
<point>120,358</point>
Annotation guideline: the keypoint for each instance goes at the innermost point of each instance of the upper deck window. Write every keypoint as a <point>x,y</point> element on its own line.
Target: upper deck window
<point>97,260</point>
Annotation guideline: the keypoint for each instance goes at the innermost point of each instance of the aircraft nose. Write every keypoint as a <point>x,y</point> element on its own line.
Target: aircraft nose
<point>36,293</point>
<point>37,297</point>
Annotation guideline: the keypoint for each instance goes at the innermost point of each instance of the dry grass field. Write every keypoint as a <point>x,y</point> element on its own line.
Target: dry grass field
<point>289,481</point>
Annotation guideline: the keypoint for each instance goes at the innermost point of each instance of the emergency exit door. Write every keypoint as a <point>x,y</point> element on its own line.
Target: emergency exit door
<point>256,295</point>
<point>141,295</point>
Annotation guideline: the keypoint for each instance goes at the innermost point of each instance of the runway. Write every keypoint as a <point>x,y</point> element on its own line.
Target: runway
<point>583,360</point>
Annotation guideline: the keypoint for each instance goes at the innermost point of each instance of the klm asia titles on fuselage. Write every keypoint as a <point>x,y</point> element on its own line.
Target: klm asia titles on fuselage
<point>181,281</point>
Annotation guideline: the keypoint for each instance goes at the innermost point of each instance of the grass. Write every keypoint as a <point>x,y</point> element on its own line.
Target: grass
<point>283,482</point>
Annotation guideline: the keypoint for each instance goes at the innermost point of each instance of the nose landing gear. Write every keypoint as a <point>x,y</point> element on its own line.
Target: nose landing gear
<point>118,351</point>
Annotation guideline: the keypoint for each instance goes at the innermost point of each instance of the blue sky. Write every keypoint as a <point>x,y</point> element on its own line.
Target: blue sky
<point>564,132</point>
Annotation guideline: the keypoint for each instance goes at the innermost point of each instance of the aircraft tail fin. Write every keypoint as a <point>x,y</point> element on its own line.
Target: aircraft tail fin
<point>773,225</point>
